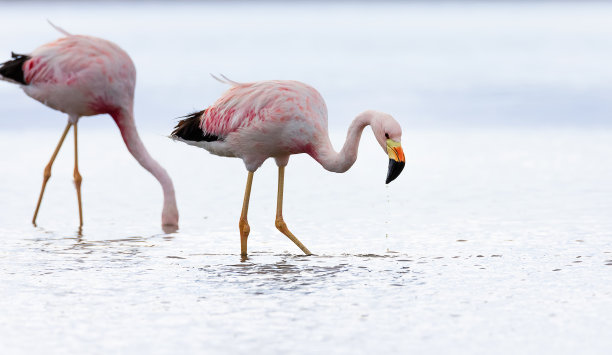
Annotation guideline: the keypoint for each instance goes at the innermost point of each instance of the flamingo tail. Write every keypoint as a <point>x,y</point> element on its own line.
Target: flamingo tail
<point>189,129</point>
<point>12,70</point>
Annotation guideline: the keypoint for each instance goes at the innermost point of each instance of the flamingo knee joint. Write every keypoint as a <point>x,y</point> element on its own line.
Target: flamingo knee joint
<point>47,172</point>
<point>280,224</point>
<point>245,229</point>
<point>77,178</point>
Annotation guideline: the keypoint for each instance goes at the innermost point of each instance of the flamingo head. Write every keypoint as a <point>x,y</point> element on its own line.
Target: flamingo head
<point>388,133</point>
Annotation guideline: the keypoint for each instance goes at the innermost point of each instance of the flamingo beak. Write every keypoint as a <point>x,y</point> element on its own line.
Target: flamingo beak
<point>396,160</point>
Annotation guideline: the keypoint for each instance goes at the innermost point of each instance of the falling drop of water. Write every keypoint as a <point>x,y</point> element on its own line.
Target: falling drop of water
<point>388,212</point>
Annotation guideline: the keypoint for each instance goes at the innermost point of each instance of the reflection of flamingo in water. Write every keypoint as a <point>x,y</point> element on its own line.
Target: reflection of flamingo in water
<point>256,121</point>
<point>86,76</point>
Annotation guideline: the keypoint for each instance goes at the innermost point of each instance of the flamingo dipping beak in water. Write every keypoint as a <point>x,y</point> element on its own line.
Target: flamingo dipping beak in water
<point>275,119</point>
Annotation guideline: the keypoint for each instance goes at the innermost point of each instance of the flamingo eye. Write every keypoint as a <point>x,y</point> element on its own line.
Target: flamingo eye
<point>387,135</point>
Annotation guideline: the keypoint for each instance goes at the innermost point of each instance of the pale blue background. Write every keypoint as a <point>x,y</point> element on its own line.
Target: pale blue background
<point>429,64</point>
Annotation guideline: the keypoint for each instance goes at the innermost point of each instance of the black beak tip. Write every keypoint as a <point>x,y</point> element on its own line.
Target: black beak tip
<point>395,168</point>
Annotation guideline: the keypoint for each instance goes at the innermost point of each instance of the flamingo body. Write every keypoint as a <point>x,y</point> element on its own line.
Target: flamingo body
<point>81,76</point>
<point>265,119</point>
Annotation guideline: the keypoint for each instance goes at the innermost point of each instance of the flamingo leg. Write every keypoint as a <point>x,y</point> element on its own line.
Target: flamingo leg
<point>47,171</point>
<point>77,175</point>
<point>244,224</point>
<point>280,223</point>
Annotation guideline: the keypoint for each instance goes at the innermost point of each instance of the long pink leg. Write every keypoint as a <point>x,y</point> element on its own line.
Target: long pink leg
<point>280,223</point>
<point>243,224</point>
<point>47,171</point>
<point>77,175</point>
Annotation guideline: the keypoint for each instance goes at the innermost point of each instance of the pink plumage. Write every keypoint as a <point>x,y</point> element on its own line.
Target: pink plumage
<point>267,101</point>
<point>266,119</point>
<point>86,76</point>
<point>81,76</point>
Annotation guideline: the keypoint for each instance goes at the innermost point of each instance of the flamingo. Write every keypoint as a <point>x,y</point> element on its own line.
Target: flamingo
<point>85,76</point>
<point>275,119</point>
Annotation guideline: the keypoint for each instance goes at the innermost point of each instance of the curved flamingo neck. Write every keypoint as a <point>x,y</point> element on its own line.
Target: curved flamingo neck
<point>125,121</point>
<point>342,161</point>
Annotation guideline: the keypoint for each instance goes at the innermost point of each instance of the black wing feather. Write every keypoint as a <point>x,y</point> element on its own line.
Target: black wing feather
<point>189,129</point>
<point>13,69</point>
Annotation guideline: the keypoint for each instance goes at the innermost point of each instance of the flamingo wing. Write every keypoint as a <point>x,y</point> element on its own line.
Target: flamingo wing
<point>261,103</point>
<point>70,58</point>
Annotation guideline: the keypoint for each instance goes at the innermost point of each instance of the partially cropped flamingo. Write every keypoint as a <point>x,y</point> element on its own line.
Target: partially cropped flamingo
<point>86,76</point>
<point>274,119</point>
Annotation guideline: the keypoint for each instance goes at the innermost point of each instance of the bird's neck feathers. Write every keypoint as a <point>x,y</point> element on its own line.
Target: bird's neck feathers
<point>125,122</point>
<point>342,161</point>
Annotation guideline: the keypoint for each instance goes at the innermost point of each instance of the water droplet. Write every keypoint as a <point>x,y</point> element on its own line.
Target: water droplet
<point>388,212</point>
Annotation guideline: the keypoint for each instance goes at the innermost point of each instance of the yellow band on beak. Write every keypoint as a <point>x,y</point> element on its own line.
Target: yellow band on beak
<point>394,149</point>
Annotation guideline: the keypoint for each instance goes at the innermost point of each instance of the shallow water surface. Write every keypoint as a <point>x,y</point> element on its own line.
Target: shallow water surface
<point>508,248</point>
